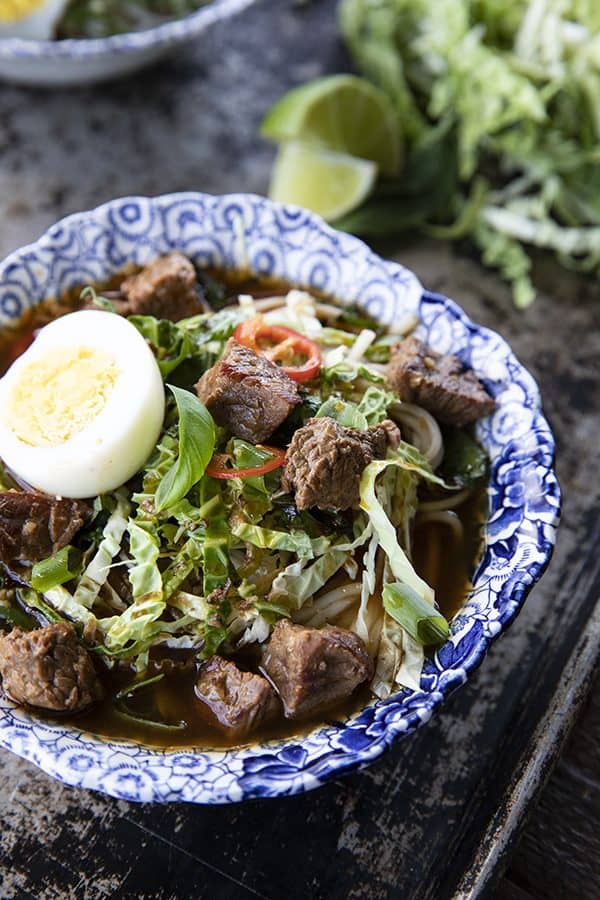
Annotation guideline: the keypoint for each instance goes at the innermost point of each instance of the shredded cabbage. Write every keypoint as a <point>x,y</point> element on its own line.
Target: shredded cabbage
<point>346,414</point>
<point>398,560</point>
<point>294,540</point>
<point>210,564</point>
<point>399,660</point>
<point>499,102</point>
<point>374,404</point>
<point>96,572</point>
<point>146,582</point>
<point>298,313</point>
<point>298,582</point>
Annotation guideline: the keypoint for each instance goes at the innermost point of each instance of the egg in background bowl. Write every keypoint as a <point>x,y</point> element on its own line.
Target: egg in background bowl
<point>33,20</point>
<point>82,408</point>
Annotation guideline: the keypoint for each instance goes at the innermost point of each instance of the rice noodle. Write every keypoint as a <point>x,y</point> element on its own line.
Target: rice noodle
<point>327,607</point>
<point>266,304</point>
<point>451,501</point>
<point>421,429</point>
<point>445,517</point>
<point>329,312</point>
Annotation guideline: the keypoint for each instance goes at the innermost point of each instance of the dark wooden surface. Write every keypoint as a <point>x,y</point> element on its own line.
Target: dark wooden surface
<point>412,825</point>
<point>557,856</point>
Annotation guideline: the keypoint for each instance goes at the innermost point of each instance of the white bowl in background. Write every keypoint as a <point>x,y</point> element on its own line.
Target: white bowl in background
<point>77,62</point>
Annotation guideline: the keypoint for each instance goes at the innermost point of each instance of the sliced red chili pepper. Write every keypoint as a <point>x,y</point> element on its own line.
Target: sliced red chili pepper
<point>281,345</point>
<point>217,467</point>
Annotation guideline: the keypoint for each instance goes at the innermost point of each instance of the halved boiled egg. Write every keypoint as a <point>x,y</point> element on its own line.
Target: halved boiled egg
<point>34,20</point>
<point>82,408</point>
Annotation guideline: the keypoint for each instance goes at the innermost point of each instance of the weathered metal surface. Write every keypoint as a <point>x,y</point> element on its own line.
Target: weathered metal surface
<point>409,826</point>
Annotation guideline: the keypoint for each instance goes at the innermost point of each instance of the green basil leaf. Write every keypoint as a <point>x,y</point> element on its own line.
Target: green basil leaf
<point>196,446</point>
<point>18,617</point>
<point>465,462</point>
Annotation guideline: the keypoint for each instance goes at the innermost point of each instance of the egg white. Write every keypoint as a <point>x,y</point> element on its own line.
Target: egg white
<point>31,20</point>
<point>116,443</point>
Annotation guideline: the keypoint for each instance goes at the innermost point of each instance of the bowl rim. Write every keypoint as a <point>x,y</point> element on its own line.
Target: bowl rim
<point>285,765</point>
<point>172,31</point>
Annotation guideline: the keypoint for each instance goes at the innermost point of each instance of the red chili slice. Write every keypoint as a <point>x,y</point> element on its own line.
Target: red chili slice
<point>217,467</point>
<point>278,343</point>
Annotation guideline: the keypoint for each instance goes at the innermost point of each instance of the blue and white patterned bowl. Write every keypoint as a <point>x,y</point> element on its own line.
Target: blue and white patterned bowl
<point>85,61</point>
<point>239,231</point>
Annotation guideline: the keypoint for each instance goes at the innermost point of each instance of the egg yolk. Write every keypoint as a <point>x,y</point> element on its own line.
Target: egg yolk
<point>59,394</point>
<point>11,10</point>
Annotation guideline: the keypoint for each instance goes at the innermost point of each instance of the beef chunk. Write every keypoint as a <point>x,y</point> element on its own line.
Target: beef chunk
<point>34,526</point>
<point>440,384</point>
<point>48,668</point>
<point>247,393</point>
<point>166,288</point>
<point>239,701</point>
<point>325,461</point>
<point>315,668</point>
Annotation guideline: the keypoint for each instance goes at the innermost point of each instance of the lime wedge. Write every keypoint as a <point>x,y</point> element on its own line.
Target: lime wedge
<point>331,184</point>
<point>342,113</point>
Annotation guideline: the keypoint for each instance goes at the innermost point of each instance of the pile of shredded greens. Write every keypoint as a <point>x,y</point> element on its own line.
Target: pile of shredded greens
<point>179,559</point>
<point>499,101</point>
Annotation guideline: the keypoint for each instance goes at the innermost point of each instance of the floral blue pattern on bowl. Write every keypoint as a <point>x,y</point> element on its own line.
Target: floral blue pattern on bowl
<point>524,498</point>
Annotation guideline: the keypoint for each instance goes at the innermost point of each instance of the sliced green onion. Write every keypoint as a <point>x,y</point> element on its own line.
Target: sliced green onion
<point>137,686</point>
<point>33,600</point>
<point>423,622</point>
<point>88,293</point>
<point>124,713</point>
<point>17,616</point>
<point>57,569</point>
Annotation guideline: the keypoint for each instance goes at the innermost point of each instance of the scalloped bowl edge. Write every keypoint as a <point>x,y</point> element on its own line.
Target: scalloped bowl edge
<point>240,230</point>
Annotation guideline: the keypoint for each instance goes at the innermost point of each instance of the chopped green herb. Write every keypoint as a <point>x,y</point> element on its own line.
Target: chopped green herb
<point>465,463</point>
<point>57,569</point>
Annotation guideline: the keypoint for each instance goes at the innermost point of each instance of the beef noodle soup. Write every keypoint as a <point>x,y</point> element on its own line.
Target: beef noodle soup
<point>230,509</point>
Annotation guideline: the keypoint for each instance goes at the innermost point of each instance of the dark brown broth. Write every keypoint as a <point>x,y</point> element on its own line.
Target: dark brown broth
<point>173,699</point>
<point>445,563</point>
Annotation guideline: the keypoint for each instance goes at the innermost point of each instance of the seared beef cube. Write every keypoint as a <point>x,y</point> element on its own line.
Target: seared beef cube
<point>325,461</point>
<point>48,668</point>
<point>315,668</point>
<point>438,383</point>
<point>247,393</point>
<point>166,288</point>
<point>34,526</point>
<point>239,701</point>
<point>380,437</point>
